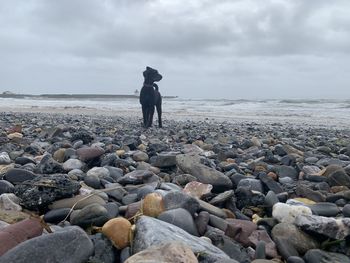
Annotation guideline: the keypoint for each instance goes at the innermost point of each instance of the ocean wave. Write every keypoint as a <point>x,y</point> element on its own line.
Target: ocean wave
<point>301,101</point>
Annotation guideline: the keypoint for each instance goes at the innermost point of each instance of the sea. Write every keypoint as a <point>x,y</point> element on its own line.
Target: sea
<point>317,112</point>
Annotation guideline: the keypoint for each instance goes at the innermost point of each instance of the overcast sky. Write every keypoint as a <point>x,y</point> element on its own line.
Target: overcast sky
<point>251,49</point>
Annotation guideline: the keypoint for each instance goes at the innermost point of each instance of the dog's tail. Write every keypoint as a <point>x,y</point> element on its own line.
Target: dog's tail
<point>155,86</point>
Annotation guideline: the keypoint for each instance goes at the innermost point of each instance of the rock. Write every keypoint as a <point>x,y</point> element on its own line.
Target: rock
<point>240,230</point>
<point>17,233</point>
<point>246,197</point>
<point>103,250</point>
<point>320,256</point>
<point>297,238</point>
<point>136,177</point>
<point>125,254</point>
<point>89,153</point>
<point>175,199</point>
<point>9,201</point>
<point>336,175</point>
<point>17,175</point>
<point>100,172</point>
<point>222,197</point>
<point>170,252</point>
<point>43,190</point>
<point>165,159</point>
<point>294,259</point>
<point>285,247</point>
<point>211,209</point>
<point>288,213</point>
<point>346,210</point>
<point>11,216</point>
<point>330,227</point>
<point>75,247</point>
<point>270,199</point>
<point>184,179</point>
<point>72,164</point>
<point>287,171</point>
<point>129,198</point>
<point>325,209</point>
<point>180,218</point>
<point>261,235</point>
<point>80,201</point>
<point>140,156</point>
<point>197,189</point>
<point>304,191</point>
<point>153,205</point>
<point>59,155</point>
<point>6,187</point>
<point>204,174</point>
<point>48,165</point>
<point>201,222</point>
<point>91,215</point>
<point>270,184</point>
<point>15,136</point>
<point>56,215</point>
<point>4,158</point>
<point>93,181</point>
<point>251,184</point>
<point>153,232</point>
<point>118,231</point>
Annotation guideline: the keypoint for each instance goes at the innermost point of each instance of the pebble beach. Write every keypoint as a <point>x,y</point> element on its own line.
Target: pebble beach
<point>102,189</point>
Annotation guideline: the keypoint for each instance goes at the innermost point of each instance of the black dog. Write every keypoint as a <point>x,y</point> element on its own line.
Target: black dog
<point>148,95</point>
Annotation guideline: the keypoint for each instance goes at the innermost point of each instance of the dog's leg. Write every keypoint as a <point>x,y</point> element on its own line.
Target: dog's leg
<point>159,111</point>
<point>144,115</point>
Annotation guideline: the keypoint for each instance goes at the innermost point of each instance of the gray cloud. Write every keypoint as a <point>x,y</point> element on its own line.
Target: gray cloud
<point>204,48</point>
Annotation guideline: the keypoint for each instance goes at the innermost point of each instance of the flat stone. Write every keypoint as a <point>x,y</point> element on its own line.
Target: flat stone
<point>301,241</point>
<point>9,201</point>
<point>140,156</point>
<point>222,197</point>
<point>56,215</point>
<point>70,245</point>
<point>136,177</point>
<point>72,164</point>
<point>204,174</point>
<point>91,215</point>
<point>165,159</point>
<point>154,232</point>
<point>251,184</point>
<point>197,189</point>
<point>170,252</point>
<point>320,256</point>
<point>304,191</point>
<point>287,171</point>
<point>288,213</point>
<point>330,227</point>
<point>17,175</point>
<point>89,153</point>
<point>6,187</point>
<point>240,230</point>
<point>103,250</point>
<point>100,172</point>
<point>325,209</point>
<point>80,200</point>
<point>4,158</point>
<point>175,199</point>
<point>270,183</point>
<point>211,209</point>
<point>202,221</point>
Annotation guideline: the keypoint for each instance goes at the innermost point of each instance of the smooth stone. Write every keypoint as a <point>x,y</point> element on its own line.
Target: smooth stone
<point>330,227</point>
<point>93,181</point>
<point>165,159</point>
<point>180,218</point>
<point>17,175</point>
<point>43,190</point>
<point>118,231</point>
<point>103,250</point>
<point>170,252</point>
<point>4,158</point>
<point>129,198</point>
<point>251,184</point>
<point>9,201</point>
<point>72,164</point>
<point>299,240</point>
<point>190,164</point>
<point>3,224</point>
<point>320,256</point>
<point>89,153</point>
<point>222,197</point>
<point>153,232</point>
<point>117,193</point>
<point>114,172</point>
<point>124,254</point>
<point>260,248</point>
<point>304,191</point>
<point>175,199</point>
<point>197,189</point>
<point>99,172</point>
<point>311,170</point>
<point>311,160</point>
<point>48,248</point>
<point>184,179</point>
<point>211,209</point>
<point>270,184</point>
<point>336,175</point>
<point>153,205</point>
<point>6,187</point>
<point>202,221</point>
<point>56,215</point>
<point>11,216</point>
<point>288,213</point>
<point>80,200</point>
<point>59,155</point>
<point>294,259</point>
<point>270,199</point>
<point>140,156</point>
<point>346,210</point>
<point>145,190</point>
<point>285,247</point>
<point>91,215</point>
<point>112,209</point>
<point>170,187</point>
<point>325,209</point>
<point>218,222</point>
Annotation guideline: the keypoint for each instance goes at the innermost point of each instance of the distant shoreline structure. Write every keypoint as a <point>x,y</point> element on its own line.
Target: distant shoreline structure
<point>75,96</point>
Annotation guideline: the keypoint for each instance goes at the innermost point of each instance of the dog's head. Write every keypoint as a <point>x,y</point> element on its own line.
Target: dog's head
<point>151,75</point>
